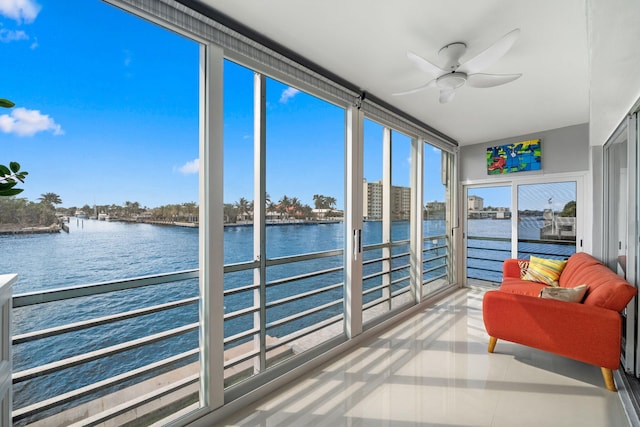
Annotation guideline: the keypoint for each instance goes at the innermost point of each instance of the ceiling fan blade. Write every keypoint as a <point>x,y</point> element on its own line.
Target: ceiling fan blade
<point>446,95</point>
<point>490,80</point>
<point>432,83</point>
<point>424,65</point>
<point>491,54</point>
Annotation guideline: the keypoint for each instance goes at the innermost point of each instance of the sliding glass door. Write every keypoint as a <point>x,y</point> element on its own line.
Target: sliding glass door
<point>546,224</point>
<point>547,219</point>
<point>488,232</point>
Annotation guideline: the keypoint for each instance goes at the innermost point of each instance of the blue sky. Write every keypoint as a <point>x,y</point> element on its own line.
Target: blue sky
<point>107,112</point>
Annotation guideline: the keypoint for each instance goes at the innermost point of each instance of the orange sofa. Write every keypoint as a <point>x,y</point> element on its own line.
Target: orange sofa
<point>590,331</point>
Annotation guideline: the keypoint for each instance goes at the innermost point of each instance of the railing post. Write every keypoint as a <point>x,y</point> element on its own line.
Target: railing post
<point>259,216</point>
<point>6,289</point>
<point>353,222</point>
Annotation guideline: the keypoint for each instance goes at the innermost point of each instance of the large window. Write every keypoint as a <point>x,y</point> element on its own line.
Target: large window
<point>546,224</point>
<point>106,231</point>
<point>204,189</point>
<point>488,232</point>
<point>437,219</point>
<point>547,219</point>
<point>287,180</point>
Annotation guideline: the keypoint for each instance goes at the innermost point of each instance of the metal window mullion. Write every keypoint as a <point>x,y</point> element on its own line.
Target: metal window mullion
<point>259,215</point>
<point>452,214</point>
<point>354,194</point>
<point>386,211</point>
<point>631,359</point>
<point>211,232</point>
<point>416,222</point>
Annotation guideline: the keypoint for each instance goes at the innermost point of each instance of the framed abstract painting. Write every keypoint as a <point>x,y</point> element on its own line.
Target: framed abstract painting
<point>521,156</point>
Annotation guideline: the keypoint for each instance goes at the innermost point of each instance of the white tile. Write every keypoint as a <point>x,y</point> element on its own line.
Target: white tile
<point>434,369</point>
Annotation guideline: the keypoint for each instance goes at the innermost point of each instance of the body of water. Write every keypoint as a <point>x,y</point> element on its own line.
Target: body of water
<point>100,251</point>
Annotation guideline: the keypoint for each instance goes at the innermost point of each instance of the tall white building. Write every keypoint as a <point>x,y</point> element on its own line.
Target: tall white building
<point>372,203</point>
<point>476,203</point>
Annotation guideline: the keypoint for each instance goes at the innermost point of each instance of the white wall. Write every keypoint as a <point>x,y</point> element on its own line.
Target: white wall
<point>563,150</point>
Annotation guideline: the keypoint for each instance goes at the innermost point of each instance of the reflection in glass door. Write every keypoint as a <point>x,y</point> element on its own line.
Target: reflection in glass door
<point>488,232</point>
<point>547,224</point>
<point>616,205</point>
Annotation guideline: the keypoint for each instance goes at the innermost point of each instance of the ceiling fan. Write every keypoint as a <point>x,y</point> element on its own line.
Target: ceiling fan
<point>454,74</point>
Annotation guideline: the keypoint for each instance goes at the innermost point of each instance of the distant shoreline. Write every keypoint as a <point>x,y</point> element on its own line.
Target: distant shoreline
<point>38,229</point>
<point>11,229</point>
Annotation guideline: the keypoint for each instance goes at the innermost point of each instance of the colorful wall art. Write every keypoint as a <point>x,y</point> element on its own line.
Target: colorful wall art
<point>517,157</point>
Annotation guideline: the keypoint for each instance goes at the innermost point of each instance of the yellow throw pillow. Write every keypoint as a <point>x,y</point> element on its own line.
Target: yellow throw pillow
<point>544,270</point>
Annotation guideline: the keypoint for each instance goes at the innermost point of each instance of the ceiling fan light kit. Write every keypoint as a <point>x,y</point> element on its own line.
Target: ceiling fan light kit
<point>454,74</point>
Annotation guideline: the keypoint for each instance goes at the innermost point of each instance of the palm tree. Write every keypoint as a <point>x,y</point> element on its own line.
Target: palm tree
<point>330,202</point>
<point>243,207</point>
<point>50,199</point>
<point>295,206</point>
<point>283,206</point>
<point>318,200</point>
<point>271,207</point>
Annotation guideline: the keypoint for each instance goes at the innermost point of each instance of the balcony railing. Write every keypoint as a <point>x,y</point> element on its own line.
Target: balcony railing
<point>116,335</point>
<point>485,255</point>
<point>89,347</point>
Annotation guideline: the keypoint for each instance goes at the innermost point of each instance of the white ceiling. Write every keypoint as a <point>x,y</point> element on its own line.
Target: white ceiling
<point>365,42</point>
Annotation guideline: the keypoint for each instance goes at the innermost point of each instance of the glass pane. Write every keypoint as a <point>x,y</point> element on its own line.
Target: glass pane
<point>547,220</point>
<point>238,219</point>
<point>372,184</point>
<point>435,213</point>
<point>238,163</point>
<point>488,232</point>
<point>616,202</point>
<point>372,193</point>
<point>305,179</point>
<point>400,214</point>
<point>111,144</point>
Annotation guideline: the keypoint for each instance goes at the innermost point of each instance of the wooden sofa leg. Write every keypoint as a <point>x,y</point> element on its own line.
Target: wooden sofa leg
<point>607,374</point>
<point>492,344</point>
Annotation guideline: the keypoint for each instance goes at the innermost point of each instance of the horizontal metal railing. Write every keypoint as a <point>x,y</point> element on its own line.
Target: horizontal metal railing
<point>68,398</point>
<point>492,266</point>
<point>331,305</point>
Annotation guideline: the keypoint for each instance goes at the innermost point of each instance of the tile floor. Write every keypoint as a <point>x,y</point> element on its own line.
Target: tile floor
<point>434,370</point>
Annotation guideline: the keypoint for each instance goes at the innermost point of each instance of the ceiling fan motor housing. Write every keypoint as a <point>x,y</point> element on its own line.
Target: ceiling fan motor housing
<point>451,80</point>
<point>452,53</point>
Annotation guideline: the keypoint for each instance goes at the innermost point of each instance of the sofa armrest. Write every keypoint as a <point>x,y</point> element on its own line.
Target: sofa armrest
<point>586,333</point>
<point>511,268</point>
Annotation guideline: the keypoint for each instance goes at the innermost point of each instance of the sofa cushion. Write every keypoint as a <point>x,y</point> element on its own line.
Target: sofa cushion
<point>544,270</point>
<point>606,288</point>
<point>521,287</point>
<point>577,270</point>
<point>564,294</point>
<point>614,296</point>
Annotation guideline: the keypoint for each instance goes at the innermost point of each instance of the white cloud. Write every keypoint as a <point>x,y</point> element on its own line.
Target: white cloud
<point>20,10</point>
<point>287,94</point>
<point>190,167</point>
<point>8,36</point>
<point>25,122</point>
<point>128,57</point>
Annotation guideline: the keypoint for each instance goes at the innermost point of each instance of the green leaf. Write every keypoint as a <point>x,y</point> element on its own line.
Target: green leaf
<point>15,166</point>
<point>9,184</point>
<point>4,170</point>
<point>11,192</point>
<point>6,103</point>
